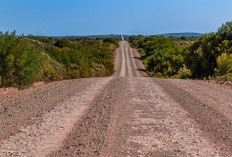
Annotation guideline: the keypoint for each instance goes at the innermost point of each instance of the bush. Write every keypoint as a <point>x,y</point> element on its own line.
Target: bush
<point>52,70</point>
<point>158,75</point>
<point>184,73</point>
<point>227,77</point>
<point>85,58</point>
<point>20,62</point>
<point>27,63</point>
<point>224,64</point>
<point>161,56</point>
<point>25,60</point>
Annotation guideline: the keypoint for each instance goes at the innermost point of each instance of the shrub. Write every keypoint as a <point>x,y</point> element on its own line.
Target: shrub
<point>20,62</point>
<point>224,64</point>
<point>160,55</point>
<point>227,77</point>
<point>158,75</point>
<point>52,70</point>
<point>25,60</point>
<point>184,73</point>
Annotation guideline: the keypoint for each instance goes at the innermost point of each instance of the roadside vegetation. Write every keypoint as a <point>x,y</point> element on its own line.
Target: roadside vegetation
<point>210,56</point>
<point>25,60</point>
<point>163,56</point>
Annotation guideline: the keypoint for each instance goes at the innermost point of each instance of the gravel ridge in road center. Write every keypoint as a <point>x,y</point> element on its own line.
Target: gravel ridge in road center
<point>136,117</point>
<point>90,132</point>
<point>151,123</point>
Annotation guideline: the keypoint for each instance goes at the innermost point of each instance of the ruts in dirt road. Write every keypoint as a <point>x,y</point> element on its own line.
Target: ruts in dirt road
<point>127,114</point>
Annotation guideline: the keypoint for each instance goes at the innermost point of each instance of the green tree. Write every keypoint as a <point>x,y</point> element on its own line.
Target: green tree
<point>162,57</point>
<point>225,31</point>
<point>19,61</point>
<point>201,58</point>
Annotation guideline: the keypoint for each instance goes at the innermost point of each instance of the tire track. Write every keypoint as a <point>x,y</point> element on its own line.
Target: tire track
<point>48,133</point>
<point>128,66</point>
<point>128,61</point>
<point>132,58</point>
<point>215,125</point>
<point>123,61</point>
<point>88,136</point>
<point>124,115</point>
<point>148,122</point>
<point>25,106</point>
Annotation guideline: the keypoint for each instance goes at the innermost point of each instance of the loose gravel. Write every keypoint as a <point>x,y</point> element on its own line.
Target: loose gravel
<point>128,114</point>
<point>49,130</point>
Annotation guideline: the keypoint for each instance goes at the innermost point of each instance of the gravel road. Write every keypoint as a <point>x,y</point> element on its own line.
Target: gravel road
<point>127,114</point>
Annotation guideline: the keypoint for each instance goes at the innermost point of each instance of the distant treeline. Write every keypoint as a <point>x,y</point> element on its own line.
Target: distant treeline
<point>93,37</point>
<point>25,60</point>
<point>178,35</point>
<point>206,57</point>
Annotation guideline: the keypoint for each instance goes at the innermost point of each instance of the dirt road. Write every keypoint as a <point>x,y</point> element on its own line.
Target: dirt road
<point>128,114</point>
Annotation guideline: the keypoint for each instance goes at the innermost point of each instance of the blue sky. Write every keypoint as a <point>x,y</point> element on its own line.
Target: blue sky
<point>88,17</point>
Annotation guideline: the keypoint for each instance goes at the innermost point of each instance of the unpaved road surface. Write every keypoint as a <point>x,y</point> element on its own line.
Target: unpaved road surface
<point>127,114</point>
